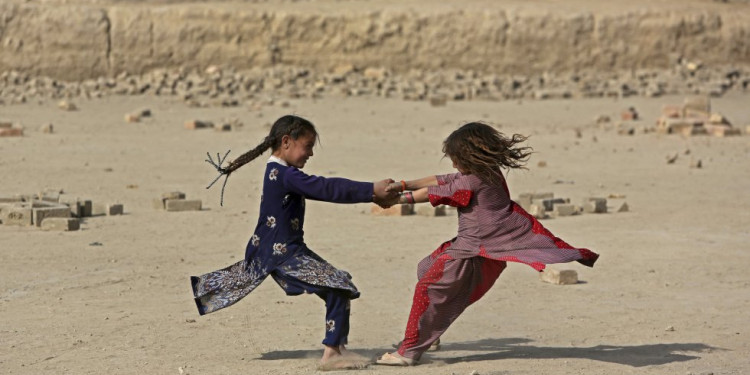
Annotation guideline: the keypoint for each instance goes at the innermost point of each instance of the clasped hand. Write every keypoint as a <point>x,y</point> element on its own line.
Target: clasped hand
<point>383,196</point>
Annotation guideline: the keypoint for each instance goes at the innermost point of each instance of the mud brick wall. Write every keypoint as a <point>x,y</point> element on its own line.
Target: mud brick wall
<point>74,40</point>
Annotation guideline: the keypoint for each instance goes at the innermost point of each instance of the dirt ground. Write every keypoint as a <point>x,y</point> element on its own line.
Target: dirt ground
<point>669,295</point>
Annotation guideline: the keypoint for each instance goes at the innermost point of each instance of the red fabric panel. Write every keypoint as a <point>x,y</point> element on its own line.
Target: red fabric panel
<point>460,198</point>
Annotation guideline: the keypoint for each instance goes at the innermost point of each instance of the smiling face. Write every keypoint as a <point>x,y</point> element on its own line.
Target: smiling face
<point>295,152</point>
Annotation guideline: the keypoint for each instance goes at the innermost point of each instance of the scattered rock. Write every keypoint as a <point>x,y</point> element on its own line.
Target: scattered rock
<point>66,106</point>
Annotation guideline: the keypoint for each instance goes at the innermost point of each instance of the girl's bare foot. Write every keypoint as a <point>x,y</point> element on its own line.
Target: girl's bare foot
<point>339,358</point>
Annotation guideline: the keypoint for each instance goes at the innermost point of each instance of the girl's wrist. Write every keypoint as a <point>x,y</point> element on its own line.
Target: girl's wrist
<point>406,198</point>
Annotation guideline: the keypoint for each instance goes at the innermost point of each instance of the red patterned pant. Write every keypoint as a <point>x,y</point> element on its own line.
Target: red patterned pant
<point>446,287</point>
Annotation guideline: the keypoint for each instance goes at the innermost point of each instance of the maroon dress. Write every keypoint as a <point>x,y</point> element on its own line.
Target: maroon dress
<point>492,230</point>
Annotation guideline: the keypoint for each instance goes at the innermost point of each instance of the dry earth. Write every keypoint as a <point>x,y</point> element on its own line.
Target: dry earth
<point>669,295</point>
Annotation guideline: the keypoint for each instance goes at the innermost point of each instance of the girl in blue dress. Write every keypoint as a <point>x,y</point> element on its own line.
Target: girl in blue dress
<point>277,247</point>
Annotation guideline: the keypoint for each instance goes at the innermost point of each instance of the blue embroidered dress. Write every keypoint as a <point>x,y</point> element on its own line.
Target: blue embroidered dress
<point>277,247</point>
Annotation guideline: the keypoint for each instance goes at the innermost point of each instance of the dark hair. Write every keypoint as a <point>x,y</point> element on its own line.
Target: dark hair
<point>482,150</point>
<point>293,126</point>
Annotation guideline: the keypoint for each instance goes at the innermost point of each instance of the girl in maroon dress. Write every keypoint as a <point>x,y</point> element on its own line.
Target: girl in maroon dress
<point>492,230</point>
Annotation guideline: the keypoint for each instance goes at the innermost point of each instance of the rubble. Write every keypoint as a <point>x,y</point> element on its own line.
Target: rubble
<point>226,87</point>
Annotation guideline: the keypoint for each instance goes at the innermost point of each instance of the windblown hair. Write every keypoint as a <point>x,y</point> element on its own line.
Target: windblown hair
<point>290,125</point>
<point>483,151</point>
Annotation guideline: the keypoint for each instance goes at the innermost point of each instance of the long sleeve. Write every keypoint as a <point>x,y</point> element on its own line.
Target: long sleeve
<point>334,189</point>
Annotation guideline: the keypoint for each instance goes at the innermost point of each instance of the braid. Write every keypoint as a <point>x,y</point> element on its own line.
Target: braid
<point>290,125</point>
<point>249,156</point>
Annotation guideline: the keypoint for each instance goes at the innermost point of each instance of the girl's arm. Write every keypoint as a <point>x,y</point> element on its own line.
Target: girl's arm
<point>413,184</point>
<point>453,190</point>
<point>334,189</point>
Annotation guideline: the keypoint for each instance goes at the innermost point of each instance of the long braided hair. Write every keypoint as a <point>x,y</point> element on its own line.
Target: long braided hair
<point>293,126</point>
<point>483,151</point>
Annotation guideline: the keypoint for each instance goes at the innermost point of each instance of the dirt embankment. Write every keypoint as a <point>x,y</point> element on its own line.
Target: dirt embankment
<point>87,39</point>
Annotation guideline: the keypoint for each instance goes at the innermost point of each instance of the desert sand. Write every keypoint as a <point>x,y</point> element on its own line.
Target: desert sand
<point>669,294</point>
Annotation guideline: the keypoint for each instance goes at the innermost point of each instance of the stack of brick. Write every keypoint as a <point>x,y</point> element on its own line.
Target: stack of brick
<point>175,201</point>
<point>52,210</point>
<point>694,117</point>
<point>45,213</point>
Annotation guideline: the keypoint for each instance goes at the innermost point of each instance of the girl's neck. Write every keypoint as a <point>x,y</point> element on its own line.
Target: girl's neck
<point>277,158</point>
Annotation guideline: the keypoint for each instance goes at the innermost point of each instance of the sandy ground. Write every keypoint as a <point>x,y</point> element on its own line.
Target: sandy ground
<point>669,295</point>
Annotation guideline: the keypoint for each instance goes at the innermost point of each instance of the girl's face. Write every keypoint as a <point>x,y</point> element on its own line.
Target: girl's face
<point>295,152</point>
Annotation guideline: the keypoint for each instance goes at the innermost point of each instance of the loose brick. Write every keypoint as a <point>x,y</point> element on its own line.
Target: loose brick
<point>537,211</point>
<point>559,277</point>
<point>18,215</point>
<point>131,118</point>
<point>11,132</point>
<point>549,204</point>
<point>439,100</point>
<point>158,203</point>
<point>223,127</point>
<point>161,204</point>
<point>595,205</point>
<point>60,224</point>
<point>115,209</point>
<point>395,210</point>
<point>524,199</point>
<point>196,124</point>
<point>101,209</point>
<point>428,210</point>
<point>42,213</point>
<point>50,195</point>
<point>47,128</point>
<point>67,106</point>
<point>86,208</point>
<point>564,209</point>
<point>173,195</point>
<point>72,203</point>
<point>629,114</point>
<point>174,205</point>
<point>10,198</point>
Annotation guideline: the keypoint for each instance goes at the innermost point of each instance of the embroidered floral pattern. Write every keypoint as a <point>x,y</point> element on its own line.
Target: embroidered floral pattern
<point>219,289</point>
<point>330,325</point>
<point>273,174</point>
<point>255,241</point>
<point>295,224</point>
<point>316,271</point>
<point>279,249</point>
<point>271,221</point>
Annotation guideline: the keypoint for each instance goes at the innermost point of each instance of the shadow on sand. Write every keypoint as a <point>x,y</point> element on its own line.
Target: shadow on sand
<point>516,348</point>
